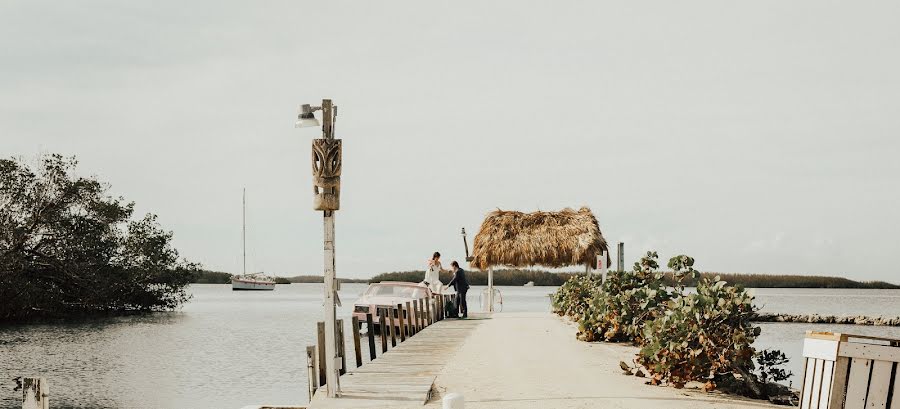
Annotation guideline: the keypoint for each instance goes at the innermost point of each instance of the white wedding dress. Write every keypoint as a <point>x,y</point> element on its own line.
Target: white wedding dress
<point>433,277</point>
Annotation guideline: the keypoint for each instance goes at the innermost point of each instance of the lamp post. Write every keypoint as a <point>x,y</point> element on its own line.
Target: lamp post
<point>326,167</point>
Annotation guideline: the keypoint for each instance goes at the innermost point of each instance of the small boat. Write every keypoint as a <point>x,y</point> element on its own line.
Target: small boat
<point>254,281</point>
<point>258,282</point>
<point>529,284</point>
<point>387,294</point>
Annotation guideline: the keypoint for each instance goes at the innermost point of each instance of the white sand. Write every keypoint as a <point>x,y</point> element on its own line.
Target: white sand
<point>532,360</point>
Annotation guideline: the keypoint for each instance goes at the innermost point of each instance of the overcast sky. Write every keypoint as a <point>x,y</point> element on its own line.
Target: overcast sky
<point>757,137</point>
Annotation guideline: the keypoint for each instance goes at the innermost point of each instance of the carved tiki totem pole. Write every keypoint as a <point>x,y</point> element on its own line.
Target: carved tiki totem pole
<point>326,167</point>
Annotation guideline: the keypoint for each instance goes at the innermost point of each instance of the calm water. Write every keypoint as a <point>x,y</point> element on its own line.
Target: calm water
<point>227,349</point>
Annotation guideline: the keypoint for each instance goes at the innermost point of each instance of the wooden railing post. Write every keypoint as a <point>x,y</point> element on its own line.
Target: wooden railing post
<point>421,313</point>
<point>415,317</point>
<point>35,393</point>
<point>409,319</point>
<point>371,335</point>
<point>427,302</point>
<point>383,327</point>
<point>312,379</point>
<point>341,346</point>
<point>356,344</point>
<point>400,323</point>
<point>393,330</point>
<point>321,348</point>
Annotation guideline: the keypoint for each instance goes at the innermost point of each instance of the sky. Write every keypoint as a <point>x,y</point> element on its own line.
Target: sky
<point>757,136</point>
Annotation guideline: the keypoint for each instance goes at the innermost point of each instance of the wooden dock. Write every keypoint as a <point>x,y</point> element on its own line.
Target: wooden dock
<point>403,375</point>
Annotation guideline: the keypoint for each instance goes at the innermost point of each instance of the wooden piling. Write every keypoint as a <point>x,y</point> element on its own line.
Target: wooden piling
<point>35,393</point>
<point>371,335</point>
<point>400,323</point>
<point>393,328</point>
<point>427,302</point>
<point>381,322</point>
<point>441,307</point>
<point>341,346</point>
<point>321,349</point>
<point>311,360</point>
<point>356,344</point>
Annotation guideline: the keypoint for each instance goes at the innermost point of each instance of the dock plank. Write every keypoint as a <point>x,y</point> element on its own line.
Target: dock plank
<point>404,374</point>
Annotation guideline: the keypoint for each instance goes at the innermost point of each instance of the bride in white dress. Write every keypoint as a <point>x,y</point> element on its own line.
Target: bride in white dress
<point>433,274</point>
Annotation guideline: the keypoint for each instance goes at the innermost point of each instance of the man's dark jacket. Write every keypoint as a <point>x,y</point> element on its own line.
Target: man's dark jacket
<point>459,282</point>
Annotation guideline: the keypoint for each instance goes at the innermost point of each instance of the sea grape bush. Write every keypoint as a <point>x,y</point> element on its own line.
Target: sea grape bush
<point>625,302</point>
<point>700,336</point>
<point>571,299</point>
<point>704,335</point>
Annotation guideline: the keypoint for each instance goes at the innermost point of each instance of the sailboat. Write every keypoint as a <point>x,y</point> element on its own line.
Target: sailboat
<point>253,281</point>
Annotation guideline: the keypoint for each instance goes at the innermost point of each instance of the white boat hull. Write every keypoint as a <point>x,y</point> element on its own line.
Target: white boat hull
<point>250,285</point>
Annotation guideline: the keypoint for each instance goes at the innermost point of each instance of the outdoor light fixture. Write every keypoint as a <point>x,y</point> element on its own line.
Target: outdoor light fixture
<point>306,118</point>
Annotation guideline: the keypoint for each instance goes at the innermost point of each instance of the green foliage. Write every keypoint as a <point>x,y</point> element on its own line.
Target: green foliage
<point>282,280</point>
<point>67,248</point>
<point>572,298</point>
<point>769,364</point>
<point>625,302</point>
<point>704,336</point>
<point>701,335</point>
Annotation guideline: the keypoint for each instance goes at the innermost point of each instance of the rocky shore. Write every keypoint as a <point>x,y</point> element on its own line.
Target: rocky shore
<point>828,319</point>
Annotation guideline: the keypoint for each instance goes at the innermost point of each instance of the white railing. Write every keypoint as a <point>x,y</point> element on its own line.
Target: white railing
<point>844,371</point>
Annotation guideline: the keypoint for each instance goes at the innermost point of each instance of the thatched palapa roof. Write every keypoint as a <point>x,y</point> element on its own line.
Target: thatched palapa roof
<point>550,239</point>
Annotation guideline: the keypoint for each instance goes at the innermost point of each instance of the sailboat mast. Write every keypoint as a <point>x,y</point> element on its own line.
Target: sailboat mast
<point>244,228</point>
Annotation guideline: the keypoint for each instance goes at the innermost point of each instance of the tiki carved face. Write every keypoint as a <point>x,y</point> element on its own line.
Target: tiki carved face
<point>326,167</point>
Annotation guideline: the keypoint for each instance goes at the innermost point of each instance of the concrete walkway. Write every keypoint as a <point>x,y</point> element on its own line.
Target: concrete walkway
<point>532,360</point>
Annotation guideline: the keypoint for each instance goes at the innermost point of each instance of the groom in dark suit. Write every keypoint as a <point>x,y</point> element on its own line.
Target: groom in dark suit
<point>461,285</point>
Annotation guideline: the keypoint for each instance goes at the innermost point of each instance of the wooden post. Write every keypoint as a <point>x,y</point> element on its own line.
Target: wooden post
<point>415,317</point>
<point>35,393</point>
<point>620,264</point>
<point>341,346</point>
<point>410,328</point>
<point>393,328</point>
<point>356,344</point>
<point>371,335</point>
<point>422,313</point>
<point>320,326</point>
<point>419,309</point>
<point>490,297</point>
<point>382,319</point>
<point>312,357</point>
<point>400,323</point>
<point>440,307</point>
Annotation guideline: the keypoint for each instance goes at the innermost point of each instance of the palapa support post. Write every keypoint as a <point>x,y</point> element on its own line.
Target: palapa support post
<point>356,344</point>
<point>35,393</point>
<point>490,297</point>
<point>326,168</point>
<point>370,335</point>
<point>312,357</point>
<point>400,323</point>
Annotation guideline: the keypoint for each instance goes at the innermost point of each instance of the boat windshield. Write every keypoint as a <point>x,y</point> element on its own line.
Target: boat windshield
<point>398,291</point>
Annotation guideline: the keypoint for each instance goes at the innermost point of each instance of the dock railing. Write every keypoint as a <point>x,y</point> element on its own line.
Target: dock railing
<point>844,371</point>
<point>395,324</point>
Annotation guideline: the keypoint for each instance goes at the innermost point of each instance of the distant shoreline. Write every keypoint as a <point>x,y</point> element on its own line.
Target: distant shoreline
<point>543,278</point>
